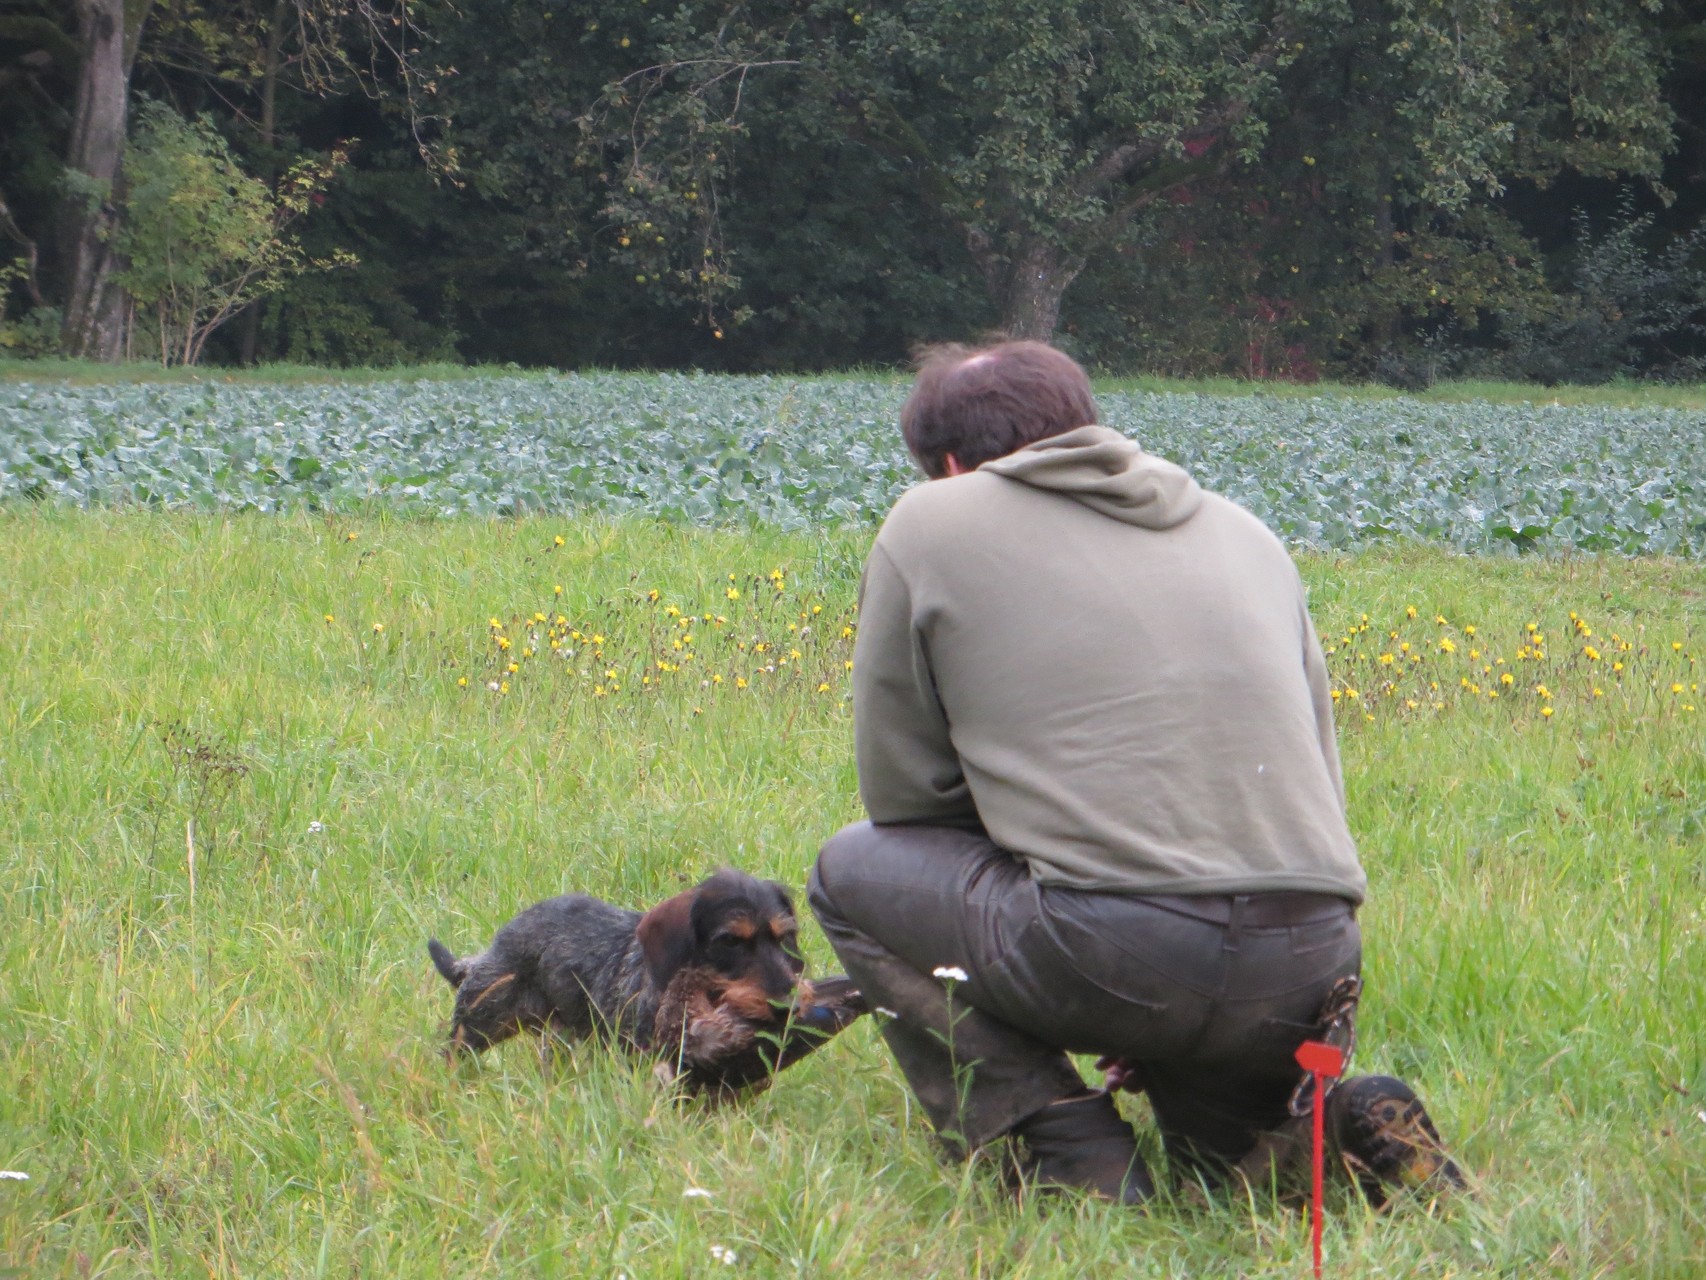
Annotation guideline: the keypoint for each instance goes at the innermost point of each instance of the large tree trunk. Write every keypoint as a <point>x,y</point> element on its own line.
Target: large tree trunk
<point>94,305</point>
<point>1036,282</point>
<point>1026,286</point>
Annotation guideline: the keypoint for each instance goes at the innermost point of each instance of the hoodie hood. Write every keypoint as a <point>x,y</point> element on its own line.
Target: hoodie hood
<point>1107,473</point>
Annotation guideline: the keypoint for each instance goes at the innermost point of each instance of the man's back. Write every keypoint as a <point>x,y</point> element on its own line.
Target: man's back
<point>1121,664</point>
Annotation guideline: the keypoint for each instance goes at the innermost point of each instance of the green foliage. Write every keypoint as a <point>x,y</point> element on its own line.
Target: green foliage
<point>200,238</point>
<point>1324,472</point>
<point>1633,307</point>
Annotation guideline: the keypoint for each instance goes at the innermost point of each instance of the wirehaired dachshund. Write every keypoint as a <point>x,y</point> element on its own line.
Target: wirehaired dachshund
<point>708,982</point>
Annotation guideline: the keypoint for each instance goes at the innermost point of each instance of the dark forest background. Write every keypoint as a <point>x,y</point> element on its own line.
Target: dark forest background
<point>1390,189</point>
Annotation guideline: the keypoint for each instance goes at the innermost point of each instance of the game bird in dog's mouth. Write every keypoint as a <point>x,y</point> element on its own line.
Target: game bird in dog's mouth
<point>708,982</point>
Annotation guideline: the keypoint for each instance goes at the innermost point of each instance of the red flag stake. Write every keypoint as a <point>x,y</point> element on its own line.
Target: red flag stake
<point>1324,1062</point>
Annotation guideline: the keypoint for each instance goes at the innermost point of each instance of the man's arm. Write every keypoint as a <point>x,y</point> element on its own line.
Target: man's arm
<point>908,768</point>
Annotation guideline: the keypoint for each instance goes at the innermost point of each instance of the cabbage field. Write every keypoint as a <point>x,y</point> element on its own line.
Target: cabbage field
<point>1328,472</point>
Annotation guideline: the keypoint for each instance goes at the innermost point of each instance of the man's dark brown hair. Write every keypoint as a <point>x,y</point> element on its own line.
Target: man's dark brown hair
<point>979,403</point>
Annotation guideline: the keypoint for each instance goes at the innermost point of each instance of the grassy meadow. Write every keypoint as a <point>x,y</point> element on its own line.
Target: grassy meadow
<point>249,763</point>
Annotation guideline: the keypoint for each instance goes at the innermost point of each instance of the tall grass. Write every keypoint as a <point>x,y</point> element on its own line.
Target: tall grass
<point>228,822</point>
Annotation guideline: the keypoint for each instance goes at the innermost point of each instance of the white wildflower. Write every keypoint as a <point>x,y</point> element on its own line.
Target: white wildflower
<point>492,685</point>
<point>727,1257</point>
<point>949,973</point>
<point>696,1193</point>
<point>315,828</point>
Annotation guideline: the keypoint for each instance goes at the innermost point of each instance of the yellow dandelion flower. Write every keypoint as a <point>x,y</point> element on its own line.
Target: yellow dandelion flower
<point>823,688</point>
<point>1546,711</point>
<point>1591,653</point>
<point>816,609</point>
<point>672,611</point>
<point>1598,692</point>
<point>1617,666</point>
<point>1469,630</point>
<point>1446,646</point>
<point>1542,691</point>
<point>558,540</point>
<point>1386,659</point>
<point>796,655</point>
<point>733,593</point>
<point>350,536</point>
<point>846,633</point>
<point>598,639</point>
<point>328,618</point>
<point>557,590</point>
<point>1410,612</point>
<point>848,665</point>
<point>652,595</point>
<point>462,682</point>
<point>740,682</point>
<point>1676,688</point>
<point>1507,678</point>
<point>716,679</point>
<point>378,627</point>
<point>503,687</point>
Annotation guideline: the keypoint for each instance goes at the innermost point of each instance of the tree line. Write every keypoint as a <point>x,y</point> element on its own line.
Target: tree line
<point>1396,189</point>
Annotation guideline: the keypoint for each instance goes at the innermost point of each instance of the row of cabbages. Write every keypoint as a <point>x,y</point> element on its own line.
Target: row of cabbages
<point>1329,471</point>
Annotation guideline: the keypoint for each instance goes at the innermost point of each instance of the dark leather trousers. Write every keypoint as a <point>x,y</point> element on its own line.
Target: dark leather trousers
<point>1206,998</point>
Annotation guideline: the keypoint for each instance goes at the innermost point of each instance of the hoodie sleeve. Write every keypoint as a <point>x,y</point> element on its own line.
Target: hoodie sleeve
<point>908,768</point>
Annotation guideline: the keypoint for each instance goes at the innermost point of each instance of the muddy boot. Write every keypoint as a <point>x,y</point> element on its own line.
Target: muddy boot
<point>1386,1138</point>
<point>1082,1144</point>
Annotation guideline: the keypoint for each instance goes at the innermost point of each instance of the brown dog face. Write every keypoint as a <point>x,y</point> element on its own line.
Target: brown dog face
<point>739,928</point>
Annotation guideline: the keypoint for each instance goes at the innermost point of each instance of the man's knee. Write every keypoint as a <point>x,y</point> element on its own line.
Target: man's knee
<point>838,851</point>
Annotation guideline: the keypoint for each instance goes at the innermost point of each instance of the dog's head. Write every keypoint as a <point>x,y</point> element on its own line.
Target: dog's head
<point>742,930</point>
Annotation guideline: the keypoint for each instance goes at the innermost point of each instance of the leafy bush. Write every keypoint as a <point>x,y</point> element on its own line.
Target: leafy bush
<point>202,239</point>
<point>1633,308</point>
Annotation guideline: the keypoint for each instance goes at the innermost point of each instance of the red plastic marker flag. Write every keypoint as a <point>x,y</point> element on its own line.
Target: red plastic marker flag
<point>1324,1062</point>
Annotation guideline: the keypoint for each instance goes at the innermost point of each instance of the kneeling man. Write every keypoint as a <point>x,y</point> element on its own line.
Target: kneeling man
<point>1095,740</point>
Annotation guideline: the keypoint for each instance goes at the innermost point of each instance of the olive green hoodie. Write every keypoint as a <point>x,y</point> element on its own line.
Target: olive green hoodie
<point>1110,669</point>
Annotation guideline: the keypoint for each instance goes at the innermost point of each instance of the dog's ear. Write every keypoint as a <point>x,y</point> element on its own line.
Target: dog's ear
<point>782,893</point>
<point>666,937</point>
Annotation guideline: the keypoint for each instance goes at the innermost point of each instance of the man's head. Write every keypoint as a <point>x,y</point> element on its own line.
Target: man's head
<point>972,404</point>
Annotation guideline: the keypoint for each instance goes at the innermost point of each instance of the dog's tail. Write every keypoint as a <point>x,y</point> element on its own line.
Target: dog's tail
<point>454,970</point>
